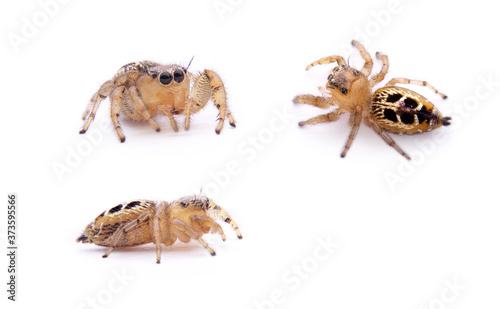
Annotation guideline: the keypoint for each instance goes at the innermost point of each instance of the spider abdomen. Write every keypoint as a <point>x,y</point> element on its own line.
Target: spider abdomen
<point>101,230</point>
<point>400,110</point>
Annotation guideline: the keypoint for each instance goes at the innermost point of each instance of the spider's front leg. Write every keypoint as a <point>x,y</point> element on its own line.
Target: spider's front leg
<point>202,225</point>
<point>313,100</point>
<point>217,212</point>
<point>94,103</point>
<point>208,86</point>
<point>327,60</point>
<point>184,233</point>
<point>104,91</point>
<point>356,118</point>
<point>367,67</point>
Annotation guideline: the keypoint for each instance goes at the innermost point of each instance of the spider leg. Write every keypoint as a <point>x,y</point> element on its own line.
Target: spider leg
<point>387,138</point>
<point>163,109</point>
<point>375,79</point>
<point>217,212</point>
<point>116,100</point>
<point>220,99</point>
<point>104,91</point>
<point>157,237</point>
<point>208,86</point>
<point>367,67</point>
<point>313,100</point>
<point>329,117</point>
<point>89,106</point>
<point>140,107</point>
<point>202,225</point>
<point>395,81</point>
<point>94,103</point>
<point>185,233</point>
<point>355,127</point>
<point>125,228</point>
<point>198,97</point>
<point>327,60</point>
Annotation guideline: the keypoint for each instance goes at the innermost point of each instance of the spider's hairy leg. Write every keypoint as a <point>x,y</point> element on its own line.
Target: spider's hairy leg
<point>202,225</point>
<point>375,79</point>
<point>217,212</point>
<point>164,110</point>
<point>327,60</point>
<point>140,107</point>
<point>313,100</point>
<point>208,86</point>
<point>395,81</point>
<point>117,236</point>
<point>329,117</point>
<point>157,233</point>
<point>356,117</point>
<point>116,100</point>
<point>220,99</point>
<point>387,138</point>
<point>89,106</point>
<point>367,67</point>
<point>185,233</point>
<point>200,95</point>
<point>104,91</point>
<point>94,103</point>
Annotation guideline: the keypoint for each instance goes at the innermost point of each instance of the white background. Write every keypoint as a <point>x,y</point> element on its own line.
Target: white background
<point>402,243</point>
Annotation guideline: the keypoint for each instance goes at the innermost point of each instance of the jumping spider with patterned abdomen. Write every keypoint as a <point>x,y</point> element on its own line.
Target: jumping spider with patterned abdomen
<point>390,108</point>
<point>139,90</point>
<point>143,221</point>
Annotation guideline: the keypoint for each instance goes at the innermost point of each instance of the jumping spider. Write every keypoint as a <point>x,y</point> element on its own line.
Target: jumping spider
<point>139,90</point>
<point>390,108</point>
<point>143,221</point>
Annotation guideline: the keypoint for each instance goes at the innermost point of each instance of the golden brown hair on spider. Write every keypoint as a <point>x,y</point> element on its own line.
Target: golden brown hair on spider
<point>144,221</point>
<point>140,90</point>
<point>387,109</point>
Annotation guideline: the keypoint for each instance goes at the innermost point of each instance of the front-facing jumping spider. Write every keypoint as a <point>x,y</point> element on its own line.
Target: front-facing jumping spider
<point>140,90</point>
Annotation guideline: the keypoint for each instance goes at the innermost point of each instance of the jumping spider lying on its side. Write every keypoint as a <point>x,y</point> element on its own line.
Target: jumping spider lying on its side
<point>143,221</point>
<point>139,90</point>
<point>390,108</point>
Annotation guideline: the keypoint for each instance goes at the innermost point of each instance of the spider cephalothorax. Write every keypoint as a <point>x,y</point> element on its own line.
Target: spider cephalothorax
<point>139,90</point>
<point>390,108</point>
<point>144,221</point>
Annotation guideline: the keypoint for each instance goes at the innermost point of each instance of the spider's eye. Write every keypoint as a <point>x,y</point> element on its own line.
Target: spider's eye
<point>335,84</point>
<point>178,76</point>
<point>343,90</point>
<point>154,75</point>
<point>356,73</point>
<point>165,78</point>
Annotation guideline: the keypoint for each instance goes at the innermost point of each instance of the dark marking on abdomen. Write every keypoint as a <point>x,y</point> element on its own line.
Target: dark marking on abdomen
<point>115,209</point>
<point>389,114</point>
<point>132,204</point>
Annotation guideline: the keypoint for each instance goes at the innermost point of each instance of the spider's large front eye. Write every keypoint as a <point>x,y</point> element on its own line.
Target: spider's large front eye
<point>165,78</point>
<point>343,90</point>
<point>178,76</point>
